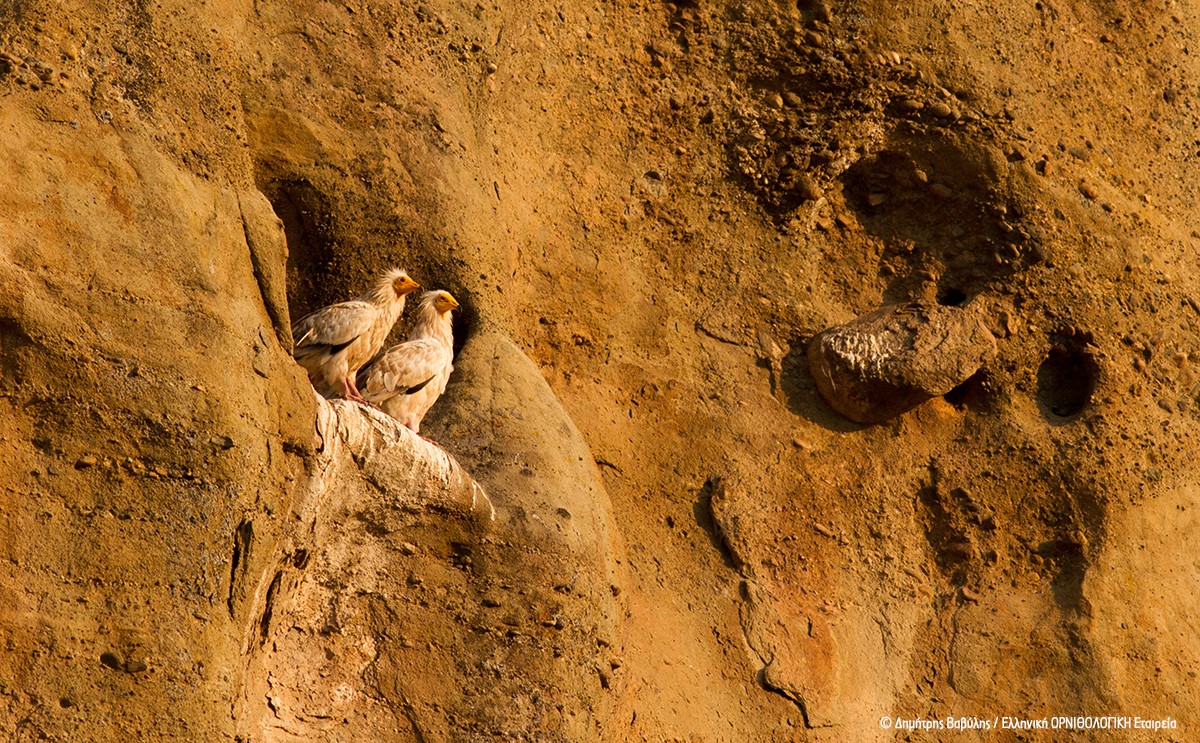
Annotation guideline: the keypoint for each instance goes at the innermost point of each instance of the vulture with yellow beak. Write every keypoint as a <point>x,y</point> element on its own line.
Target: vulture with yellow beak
<point>334,342</point>
<point>408,378</point>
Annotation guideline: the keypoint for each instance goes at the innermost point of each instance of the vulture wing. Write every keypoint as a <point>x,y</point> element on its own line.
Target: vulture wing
<point>404,369</point>
<point>332,328</point>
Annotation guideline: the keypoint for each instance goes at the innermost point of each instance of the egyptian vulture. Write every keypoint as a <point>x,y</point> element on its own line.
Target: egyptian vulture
<point>334,342</point>
<point>408,378</point>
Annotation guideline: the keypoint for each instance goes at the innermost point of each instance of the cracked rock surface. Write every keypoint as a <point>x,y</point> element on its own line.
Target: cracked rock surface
<point>648,211</point>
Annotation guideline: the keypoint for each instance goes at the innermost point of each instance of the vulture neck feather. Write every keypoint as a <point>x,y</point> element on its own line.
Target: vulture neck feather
<point>382,294</point>
<point>432,324</point>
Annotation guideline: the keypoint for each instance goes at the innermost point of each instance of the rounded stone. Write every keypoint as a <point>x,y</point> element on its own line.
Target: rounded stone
<point>940,109</point>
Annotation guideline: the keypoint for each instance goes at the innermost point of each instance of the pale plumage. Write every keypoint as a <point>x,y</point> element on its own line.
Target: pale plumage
<point>408,378</point>
<point>334,342</point>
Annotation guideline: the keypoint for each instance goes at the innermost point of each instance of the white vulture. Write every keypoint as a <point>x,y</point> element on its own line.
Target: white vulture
<point>334,342</point>
<point>408,378</point>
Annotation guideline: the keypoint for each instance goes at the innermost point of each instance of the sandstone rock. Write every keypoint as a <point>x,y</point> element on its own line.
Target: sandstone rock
<point>152,272</point>
<point>887,362</point>
<point>128,239</point>
<point>553,536</point>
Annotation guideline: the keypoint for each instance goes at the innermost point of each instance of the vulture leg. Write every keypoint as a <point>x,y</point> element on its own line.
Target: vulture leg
<point>349,391</point>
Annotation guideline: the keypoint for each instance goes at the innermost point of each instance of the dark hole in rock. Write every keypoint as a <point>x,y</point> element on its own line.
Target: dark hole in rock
<point>463,321</point>
<point>1066,382</point>
<point>312,269</point>
<point>951,297</point>
<point>974,393</point>
<point>958,396</point>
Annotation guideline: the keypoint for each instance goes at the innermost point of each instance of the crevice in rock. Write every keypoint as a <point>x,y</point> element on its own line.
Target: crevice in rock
<point>264,623</point>
<point>13,339</point>
<point>1070,566</point>
<point>951,548</point>
<point>973,394</point>
<point>706,518</point>
<point>239,562</point>
<point>761,679</point>
<point>950,296</point>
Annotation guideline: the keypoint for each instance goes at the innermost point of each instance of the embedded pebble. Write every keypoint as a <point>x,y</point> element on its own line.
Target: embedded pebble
<point>958,551</point>
<point>134,666</point>
<point>940,109</point>
<point>807,187</point>
<point>941,190</point>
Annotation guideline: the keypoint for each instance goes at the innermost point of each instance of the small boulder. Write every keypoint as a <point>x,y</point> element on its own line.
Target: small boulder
<point>882,364</point>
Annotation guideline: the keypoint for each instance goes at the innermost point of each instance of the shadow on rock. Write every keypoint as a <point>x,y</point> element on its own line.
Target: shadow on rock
<point>800,391</point>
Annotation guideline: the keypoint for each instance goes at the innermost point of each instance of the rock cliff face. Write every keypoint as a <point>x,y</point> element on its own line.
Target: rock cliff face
<point>641,521</point>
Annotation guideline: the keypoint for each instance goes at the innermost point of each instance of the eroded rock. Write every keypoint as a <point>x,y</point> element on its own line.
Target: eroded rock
<point>555,547</point>
<point>882,364</point>
<point>346,609</point>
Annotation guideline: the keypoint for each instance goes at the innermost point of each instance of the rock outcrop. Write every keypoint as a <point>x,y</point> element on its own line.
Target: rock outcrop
<point>355,624</point>
<point>882,364</point>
